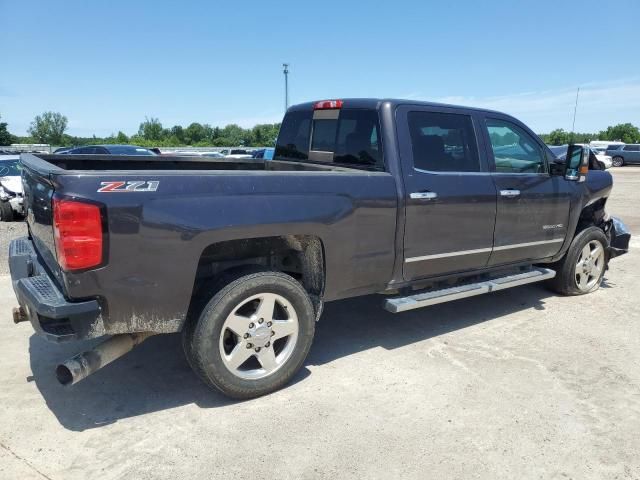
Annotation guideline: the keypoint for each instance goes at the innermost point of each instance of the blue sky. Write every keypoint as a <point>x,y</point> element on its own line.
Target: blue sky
<point>108,64</point>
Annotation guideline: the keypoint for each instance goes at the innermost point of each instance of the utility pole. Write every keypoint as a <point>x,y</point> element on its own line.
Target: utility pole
<point>286,85</point>
<point>575,110</point>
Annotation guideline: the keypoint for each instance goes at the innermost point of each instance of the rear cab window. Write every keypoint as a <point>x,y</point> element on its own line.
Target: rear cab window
<point>347,137</point>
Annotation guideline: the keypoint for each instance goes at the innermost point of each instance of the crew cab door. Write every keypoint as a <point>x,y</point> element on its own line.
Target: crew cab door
<point>449,195</point>
<point>533,206</point>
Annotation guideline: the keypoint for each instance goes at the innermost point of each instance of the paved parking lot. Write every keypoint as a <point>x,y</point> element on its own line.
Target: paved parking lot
<point>517,384</point>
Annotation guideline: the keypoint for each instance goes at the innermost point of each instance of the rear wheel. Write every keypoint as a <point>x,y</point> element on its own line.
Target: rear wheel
<point>253,335</point>
<point>582,268</point>
<point>6,212</point>
<point>617,161</point>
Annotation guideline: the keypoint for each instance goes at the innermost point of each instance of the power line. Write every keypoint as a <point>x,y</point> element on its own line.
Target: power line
<point>575,110</point>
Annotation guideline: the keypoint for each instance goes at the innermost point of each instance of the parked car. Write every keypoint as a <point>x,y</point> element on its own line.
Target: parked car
<point>195,153</point>
<point>628,154</point>
<point>107,150</point>
<point>265,153</point>
<point>603,145</point>
<point>11,194</point>
<point>235,153</point>
<point>63,149</point>
<point>427,203</point>
<point>596,160</point>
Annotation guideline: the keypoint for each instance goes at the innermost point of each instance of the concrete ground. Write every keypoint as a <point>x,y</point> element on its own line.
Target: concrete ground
<point>513,385</point>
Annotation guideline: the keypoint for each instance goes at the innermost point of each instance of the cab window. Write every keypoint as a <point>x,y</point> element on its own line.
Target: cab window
<point>345,137</point>
<point>443,142</point>
<point>514,150</point>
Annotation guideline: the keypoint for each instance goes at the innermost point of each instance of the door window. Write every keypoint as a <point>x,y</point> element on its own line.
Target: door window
<point>443,142</point>
<point>632,148</point>
<point>514,150</point>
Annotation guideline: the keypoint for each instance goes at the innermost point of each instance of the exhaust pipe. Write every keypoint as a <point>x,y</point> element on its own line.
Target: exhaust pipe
<point>86,363</point>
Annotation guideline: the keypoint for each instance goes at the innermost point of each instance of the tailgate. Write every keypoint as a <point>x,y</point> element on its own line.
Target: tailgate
<point>38,191</point>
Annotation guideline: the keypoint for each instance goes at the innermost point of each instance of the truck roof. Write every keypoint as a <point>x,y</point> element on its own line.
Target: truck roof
<point>376,103</point>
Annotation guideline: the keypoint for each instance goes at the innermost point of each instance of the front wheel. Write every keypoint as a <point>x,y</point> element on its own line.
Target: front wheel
<point>617,161</point>
<point>582,268</point>
<point>253,335</point>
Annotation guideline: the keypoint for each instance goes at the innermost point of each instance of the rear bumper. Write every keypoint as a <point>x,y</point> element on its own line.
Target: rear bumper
<point>50,314</point>
<point>619,237</point>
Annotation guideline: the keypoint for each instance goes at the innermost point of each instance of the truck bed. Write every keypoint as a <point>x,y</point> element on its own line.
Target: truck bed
<point>98,163</point>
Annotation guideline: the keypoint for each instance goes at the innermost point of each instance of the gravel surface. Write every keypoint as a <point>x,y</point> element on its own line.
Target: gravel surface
<point>9,231</point>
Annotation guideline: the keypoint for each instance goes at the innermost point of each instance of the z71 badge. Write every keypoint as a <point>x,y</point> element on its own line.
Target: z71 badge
<point>133,186</point>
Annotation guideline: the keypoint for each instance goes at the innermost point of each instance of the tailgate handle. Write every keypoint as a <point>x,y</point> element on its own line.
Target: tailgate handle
<point>423,195</point>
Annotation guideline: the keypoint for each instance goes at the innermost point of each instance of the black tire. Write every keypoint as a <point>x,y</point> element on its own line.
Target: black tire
<point>617,161</point>
<point>565,282</point>
<point>201,335</point>
<point>6,212</point>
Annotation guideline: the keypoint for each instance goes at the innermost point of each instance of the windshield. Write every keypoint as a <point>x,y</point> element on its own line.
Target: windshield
<point>9,168</point>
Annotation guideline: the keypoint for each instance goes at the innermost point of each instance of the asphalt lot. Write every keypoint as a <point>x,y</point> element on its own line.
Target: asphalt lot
<point>517,384</point>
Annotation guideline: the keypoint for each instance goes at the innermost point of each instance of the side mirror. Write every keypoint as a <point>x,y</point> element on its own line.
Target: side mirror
<point>577,163</point>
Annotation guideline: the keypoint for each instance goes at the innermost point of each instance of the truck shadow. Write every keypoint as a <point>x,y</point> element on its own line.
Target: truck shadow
<point>155,376</point>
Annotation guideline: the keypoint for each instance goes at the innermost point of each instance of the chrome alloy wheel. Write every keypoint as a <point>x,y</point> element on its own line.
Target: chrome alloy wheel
<point>259,336</point>
<point>590,265</point>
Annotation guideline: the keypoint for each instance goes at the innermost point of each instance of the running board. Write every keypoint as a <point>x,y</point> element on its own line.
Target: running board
<point>433,297</point>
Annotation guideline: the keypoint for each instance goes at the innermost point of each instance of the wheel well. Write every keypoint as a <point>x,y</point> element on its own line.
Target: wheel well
<point>301,256</point>
<point>592,215</point>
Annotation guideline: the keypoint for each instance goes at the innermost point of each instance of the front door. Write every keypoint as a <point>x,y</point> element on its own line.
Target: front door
<point>450,198</point>
<point>533,206</point>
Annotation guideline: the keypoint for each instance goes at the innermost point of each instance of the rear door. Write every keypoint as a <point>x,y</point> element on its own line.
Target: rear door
<point>450,198</point>
<point>631,153</point>
<point>533,206</point>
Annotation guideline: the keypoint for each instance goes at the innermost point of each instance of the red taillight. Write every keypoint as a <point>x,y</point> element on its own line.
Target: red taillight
<point>328,105</point>
<point>77,229</point>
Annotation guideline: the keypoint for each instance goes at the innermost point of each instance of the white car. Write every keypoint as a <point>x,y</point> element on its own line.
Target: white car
<point>606,160</point>
<point>11,193</point>
<point>235,153</point>
<point>191,153</point>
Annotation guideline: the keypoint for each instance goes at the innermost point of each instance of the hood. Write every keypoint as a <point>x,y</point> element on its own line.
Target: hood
<point>12,184</point>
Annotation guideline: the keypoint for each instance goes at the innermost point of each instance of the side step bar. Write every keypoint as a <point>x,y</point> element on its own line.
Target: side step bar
<point>433,297</point>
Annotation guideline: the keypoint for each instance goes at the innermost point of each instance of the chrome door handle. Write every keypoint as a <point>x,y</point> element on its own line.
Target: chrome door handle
<point>423,195</point>
<point>510,193</point>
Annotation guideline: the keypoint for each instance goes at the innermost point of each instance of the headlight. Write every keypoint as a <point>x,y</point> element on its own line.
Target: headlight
<point>4,195</point>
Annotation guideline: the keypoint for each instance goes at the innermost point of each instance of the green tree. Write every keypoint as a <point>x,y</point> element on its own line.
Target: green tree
<point>48,128</point>
<point>178,132</point>
<point>151,129</point>
<point>558,137</point>
<point>5,137</point>
<point>263,134</point>
<point>234,135</point>
<point>194,133</point>
<point>625,132</point>
<point>122,138</point>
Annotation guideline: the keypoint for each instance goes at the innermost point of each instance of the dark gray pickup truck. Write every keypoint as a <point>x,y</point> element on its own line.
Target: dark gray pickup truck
<point>424,202</point>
